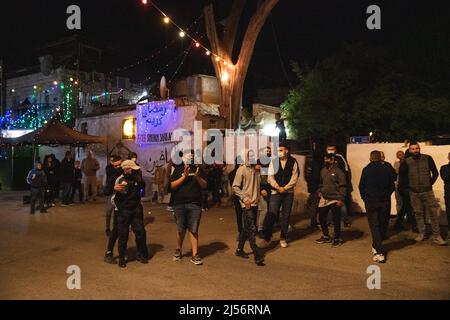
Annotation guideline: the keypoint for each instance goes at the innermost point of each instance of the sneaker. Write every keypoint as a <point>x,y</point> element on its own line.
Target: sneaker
<point>109,258</point>
<point>283,243</point>
<point>263,243</point>
<point>259,260</point>
<point>336,243</point>
<point>323,239</point>
<point>169,208</point>
<point>197,260</point>
<point>379,257</point>
<point>142,259</point>
<point>241,253</point>
<point>108,232</point>
<point>420,237</point>
<point>122,263</point>
<point>177,255</point>
<point>63,205</point>
<point>439,241</point>
<point>374,252</point>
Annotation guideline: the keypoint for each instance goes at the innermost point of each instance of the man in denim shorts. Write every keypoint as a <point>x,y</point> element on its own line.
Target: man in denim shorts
<point>187,182</point>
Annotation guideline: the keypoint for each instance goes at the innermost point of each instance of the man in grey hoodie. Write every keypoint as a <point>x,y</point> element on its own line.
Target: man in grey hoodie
<point>332,192</point>
<point>246,187</point>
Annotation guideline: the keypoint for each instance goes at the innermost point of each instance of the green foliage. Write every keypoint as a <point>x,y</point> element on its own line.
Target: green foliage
<point>359,89</point>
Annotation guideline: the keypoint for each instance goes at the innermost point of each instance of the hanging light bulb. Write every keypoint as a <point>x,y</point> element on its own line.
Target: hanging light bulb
<point>55,83</point>
<point>144,1</point>
<point>166,20</point>
<point>182,34</point>
<point>217,58</point>
<point>208,53</point>
<point>197,44</point>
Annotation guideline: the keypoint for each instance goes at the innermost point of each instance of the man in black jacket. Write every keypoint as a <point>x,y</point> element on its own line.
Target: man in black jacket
<point>332,192</point>
<point>66,178</point>
<point>128,202</point>
<point>418,173</point>
<point>113,170</point>
<point>37,180</point>
<point>376,186</point>
<point>445,175</point>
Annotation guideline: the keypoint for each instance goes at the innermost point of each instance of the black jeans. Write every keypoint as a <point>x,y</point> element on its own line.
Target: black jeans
<point>238,209</point>
<point>114,232</point>
<point>336,212</point>
<point>249,229</point>
<point>277,201</point>
<point>37,194</point>
<point>378,213</point>
<point>135,218</point>
<point>76,186</point>
<point>406,210</point>
<point>66,187</point>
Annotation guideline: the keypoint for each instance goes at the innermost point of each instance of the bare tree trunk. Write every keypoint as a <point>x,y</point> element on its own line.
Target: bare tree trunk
<point>231,76</point>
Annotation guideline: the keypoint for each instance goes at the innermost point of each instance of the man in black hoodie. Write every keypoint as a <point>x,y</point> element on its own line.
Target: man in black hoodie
<point>376,186</point>
<point>128,202</point>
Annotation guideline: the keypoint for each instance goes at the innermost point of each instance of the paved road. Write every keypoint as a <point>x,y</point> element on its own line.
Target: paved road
<point>36,251</point>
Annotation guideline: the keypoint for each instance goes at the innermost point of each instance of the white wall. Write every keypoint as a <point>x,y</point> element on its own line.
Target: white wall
<point>358,158</point>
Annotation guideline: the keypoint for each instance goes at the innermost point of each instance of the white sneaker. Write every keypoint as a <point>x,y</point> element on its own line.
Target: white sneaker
<point>374,252</point>
<point>283,244</point>
<point>379,257</point>
<point>439,241</point>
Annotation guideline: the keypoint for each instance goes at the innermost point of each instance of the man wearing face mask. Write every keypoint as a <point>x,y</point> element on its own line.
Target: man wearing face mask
<point>282,181</point>
<point>342,164</point>
<point>418,173</point>
<point>246,187</point>
<point>187,182</point>
<point>332,191</point>
<point>128,202</point>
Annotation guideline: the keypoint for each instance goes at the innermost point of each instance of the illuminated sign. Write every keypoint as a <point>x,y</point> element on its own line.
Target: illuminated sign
<point>156,121</point>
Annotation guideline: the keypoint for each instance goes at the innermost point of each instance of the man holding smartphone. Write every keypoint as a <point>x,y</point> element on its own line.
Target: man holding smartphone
<point>186,182</point>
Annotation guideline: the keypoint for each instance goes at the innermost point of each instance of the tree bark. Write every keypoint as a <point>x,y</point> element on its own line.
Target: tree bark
<point>231,76</point>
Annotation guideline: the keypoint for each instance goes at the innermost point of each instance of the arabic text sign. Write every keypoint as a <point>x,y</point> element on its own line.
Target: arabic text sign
<point>155,121</point>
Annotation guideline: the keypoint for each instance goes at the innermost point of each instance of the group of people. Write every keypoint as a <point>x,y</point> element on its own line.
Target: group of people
<point>53,179</point>
<point>262,194</point>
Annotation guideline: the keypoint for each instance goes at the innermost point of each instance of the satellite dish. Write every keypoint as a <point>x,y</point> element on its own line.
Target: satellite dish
<point>163,88</point>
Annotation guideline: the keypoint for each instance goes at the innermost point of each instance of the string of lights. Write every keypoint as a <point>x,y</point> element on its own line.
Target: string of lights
<point>183,33</point>
<point>156,53</point>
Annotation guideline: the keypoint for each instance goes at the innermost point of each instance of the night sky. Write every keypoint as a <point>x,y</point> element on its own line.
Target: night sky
<point>307,31</point>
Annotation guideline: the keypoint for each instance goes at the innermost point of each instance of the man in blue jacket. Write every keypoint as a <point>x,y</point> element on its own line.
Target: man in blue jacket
<point>376,186</point>
<point>37,180</point>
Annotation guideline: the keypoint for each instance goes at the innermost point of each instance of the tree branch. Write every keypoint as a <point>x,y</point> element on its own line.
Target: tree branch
<point>231,26</point>
<point>254,27</point>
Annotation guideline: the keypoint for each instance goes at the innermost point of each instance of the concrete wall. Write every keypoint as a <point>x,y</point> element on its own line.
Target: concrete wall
<point>358,158</point>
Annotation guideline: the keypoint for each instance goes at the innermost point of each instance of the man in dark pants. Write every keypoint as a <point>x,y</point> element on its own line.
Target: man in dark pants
<point>418,173</point>
<point>76,183</point>
<point>282,178</point>
<point>445,175</point>
<point>113,171</point>
<point>37,180</point>
<point>332,192</point>
<point>376,186</point>
<point>246,187</point>
<point>128,202</point>
<point>66,177</point>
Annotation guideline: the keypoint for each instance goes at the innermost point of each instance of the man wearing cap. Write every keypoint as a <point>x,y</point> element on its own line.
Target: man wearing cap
<point>128,202</point>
